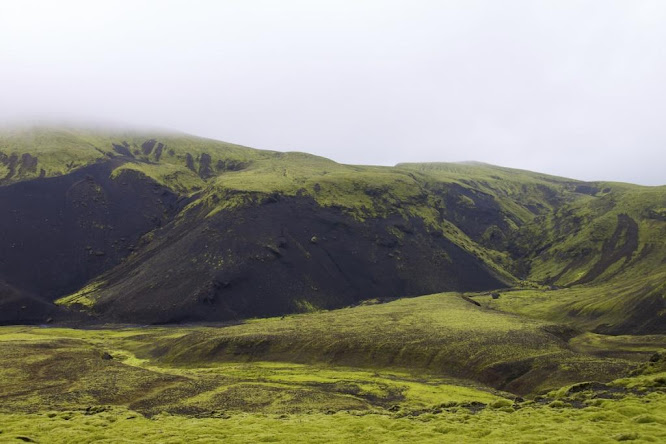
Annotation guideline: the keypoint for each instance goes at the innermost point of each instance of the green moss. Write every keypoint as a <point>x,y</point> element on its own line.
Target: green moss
<point>75,395</point>
<point>178,178</point>
<point>466,201</point>
<point>304,306</point>
<point>439,334</point>
<point>83,298</point>
<point>492,426</point>
<point>501,403</point>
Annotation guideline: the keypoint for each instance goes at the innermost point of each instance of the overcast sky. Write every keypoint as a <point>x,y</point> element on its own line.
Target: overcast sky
<point>574,88</point>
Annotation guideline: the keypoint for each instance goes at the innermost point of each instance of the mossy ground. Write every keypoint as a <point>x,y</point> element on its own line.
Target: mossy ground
<point>441,334</point>
<point>411,370</point>
<point>635,419</point>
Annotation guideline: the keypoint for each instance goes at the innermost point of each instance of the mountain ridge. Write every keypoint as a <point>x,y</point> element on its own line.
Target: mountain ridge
<point>273,233</point>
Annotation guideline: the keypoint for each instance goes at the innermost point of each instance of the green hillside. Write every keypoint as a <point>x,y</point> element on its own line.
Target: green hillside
<point>26,152</point>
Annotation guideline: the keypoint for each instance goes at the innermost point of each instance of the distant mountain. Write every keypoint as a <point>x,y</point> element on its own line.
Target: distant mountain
<point>157,228</point>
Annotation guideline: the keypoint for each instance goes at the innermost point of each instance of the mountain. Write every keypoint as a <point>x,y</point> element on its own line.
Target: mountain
<point>150,227</point>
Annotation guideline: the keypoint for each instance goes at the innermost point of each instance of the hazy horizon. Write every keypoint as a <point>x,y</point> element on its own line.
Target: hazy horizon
<point>569,88</point>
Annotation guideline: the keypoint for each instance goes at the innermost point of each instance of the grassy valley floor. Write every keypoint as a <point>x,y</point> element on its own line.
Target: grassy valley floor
<point>437,368</point>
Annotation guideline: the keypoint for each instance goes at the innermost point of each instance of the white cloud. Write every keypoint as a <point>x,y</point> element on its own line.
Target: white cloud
<point>566,87</point>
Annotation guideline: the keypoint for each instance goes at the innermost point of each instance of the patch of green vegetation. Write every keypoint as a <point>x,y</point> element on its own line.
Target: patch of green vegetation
<point>4,170</point>
<point>305,307</point>
<point>363,191</point>
<point>176,177</point>
<point>83,299</point>
<point>596,344</point>
<point>58,151</point>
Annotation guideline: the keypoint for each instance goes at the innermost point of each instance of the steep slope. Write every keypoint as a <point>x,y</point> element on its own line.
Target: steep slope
<point>616,230</point>
<point>75,203</point>
<point>605,240</point>
<point>278,257</point>
<point>59,232</point>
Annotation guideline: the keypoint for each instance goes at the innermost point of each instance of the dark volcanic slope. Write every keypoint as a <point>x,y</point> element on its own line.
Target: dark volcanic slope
<point>283,255</point>
<point>57,233</point>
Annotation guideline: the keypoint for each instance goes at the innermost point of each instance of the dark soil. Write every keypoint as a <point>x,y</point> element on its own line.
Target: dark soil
<point>269,258</point>
<point>58,233</point>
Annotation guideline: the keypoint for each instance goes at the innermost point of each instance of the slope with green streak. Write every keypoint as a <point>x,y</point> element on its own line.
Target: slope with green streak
<point>560,225</point>
<point>520,193</point>
<point>572,239</point>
